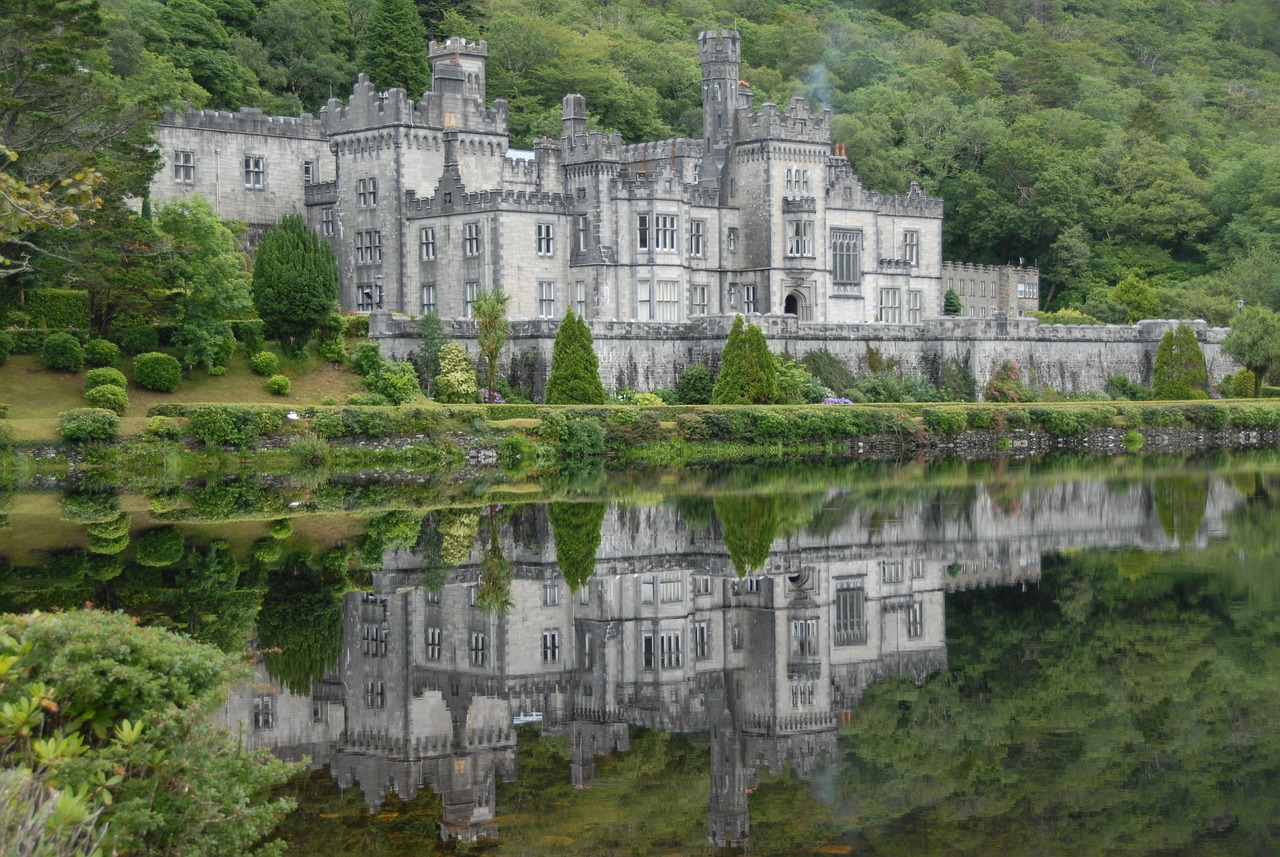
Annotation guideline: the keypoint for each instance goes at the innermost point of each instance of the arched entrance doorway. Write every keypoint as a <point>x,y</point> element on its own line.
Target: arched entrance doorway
<point>795,304</point>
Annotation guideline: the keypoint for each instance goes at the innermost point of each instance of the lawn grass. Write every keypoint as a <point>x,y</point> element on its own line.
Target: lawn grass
<point>37,395</point>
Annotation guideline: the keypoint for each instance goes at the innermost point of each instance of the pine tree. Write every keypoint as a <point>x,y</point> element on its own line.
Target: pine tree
<point>748,374</point>
<point>395,50</point>
<point>1179,367</point>
<point>576,527</point>
<point>575,371</point>
<point>295,282</point>
<point>951,303</point>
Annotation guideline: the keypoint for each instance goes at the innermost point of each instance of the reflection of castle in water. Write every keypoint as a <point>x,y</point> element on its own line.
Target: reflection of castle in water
<point>666,635</point>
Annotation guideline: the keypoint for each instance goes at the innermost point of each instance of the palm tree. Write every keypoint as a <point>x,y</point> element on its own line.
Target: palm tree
<point>492,329</point>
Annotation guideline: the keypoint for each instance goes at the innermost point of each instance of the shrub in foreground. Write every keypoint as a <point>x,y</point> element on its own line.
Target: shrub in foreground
<point>89,425</point>
<point>104,377</point>
<point>156,371</point>
<point>62,351</point>
<point>264,363</point>
<point>279,385</point>
<point>110,397</point>
<point>101,352</point>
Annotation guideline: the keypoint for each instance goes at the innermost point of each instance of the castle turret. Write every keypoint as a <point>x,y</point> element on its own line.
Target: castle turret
<point>468,58</point>
<point>575,116</point>
<point>720,55</point>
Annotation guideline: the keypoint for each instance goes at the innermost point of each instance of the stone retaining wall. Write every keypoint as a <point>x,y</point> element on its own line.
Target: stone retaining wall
<point>645,356</point>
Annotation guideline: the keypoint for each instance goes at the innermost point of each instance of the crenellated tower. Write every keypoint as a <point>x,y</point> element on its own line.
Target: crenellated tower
<point>720,56</point>
<point>455,57</point>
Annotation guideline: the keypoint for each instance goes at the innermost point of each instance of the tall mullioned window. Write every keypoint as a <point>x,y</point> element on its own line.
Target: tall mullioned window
<point>667,301</point>
<point>546,299</point>
<point>255,172</point>
<point>470,291</point>
<point>471,239</point>
<point>367,192</point>
<point>184,166</point>
<point>697,238</point>
<point>582,226</point>
<point>580,298</point>
<point>369,247</point>
<point>911,247</point>
<point>800,238</point>
<point>749,298</point>
<point>665,233</point>
<point>427,243</point>
<point>846,260</point>
<point>891,306</point>
<point>642,232</point>
<point>309,173</point>
<point>915,306</point>
<point>428,298</point>
<point>326,223</point>
<point>698,304</point>
<point>546,239</point>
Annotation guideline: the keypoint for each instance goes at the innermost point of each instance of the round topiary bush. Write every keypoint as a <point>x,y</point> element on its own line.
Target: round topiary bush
<point>139,340</point>
<point>101,352</point>
<point>264,363</point>
<point>63,351</point>
<point>156,371</point>
<point>162,547</point>
<point>104,377</point>
<point>89,425</point>
<point>110,397</point>
<point>332,351</point>
<point>279,385</point>
<point>90,507</point>
<point>281,528</point>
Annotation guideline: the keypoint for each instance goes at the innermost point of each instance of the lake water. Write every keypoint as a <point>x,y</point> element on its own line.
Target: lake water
<point>1052,658</point>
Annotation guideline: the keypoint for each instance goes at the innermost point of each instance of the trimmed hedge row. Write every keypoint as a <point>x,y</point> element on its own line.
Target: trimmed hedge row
<point>25,341</point>
<point>372,422</point>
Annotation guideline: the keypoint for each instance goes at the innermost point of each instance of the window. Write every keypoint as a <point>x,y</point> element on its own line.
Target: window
<point>846,260</point>
<point>698,299</point>
<point>546,299</point>
<point>891,306</point>
<point>701,585</point>
<point>735,638</point>
<point>255,172</point>
<point>309,172</point>
<point>911,247</point>
<point>369,247</point>
<point>470,291</point>
<point>550,647</point>
<point>264,712</point>
<point>642,232</point>
<point>433,644</point>
<point>373,639</point>
<point>731,238</point>
<point>670,651</point>
<point>550,593</point>
<point>326,223</point>
<point>471,240</point>
<point>646,651</point>
<point>428,298</point>
<point>804,638</point>
<point>580,298</point>
<point>665,233</point>
<point>752,585</point>
<point>427,243</point>
<point>1028,290</point>
<point>915,306</point>
<point>479,649</point>
<point>184,166</point>
<point>800,238</point>
<point>797,180</point>
<point>701,640</point>
<point>375,694</point>
<point>697,235</point>
<point>851,621</point>
<point>748,297</point>
<point>546,239</point>
<point>802,694</point>
<point>582,226</point>
<point>367,193</point>
<point>670,591</point>
<point>644,301</point>
<point>647,588</point>
<point>364,297</point>
<point>697,172</point>
<point>915,620</point>
<point>891,570</point>
<point>667,303</point>
<point>587,652</point>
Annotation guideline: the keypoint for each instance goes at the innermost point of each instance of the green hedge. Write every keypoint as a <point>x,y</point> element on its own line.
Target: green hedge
<point>233,425</point>
<point>374,422</point>
<point>1062,422</point>
<point>89,425</point>
<point>32,341</point>
<point>58,308</point>
<point>1254,416</point>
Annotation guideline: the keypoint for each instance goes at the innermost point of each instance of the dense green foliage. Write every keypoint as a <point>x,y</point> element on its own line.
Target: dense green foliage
<point>1254,342</point>
<point>395,48</point>
<point>120,715</point>
<point>295,282</point>
<point>1179,368</point>
<point>456,382</point>
<point>108,396</point>
<point>157,371</point>
<point>694,386</point>
<point>300,627</point>
<point>63,351</point>
<point>576,527</point>
<point>575,370</point>
<point>101,352</point>
<point>264,363</point>
<point>104,376</point>
<point>431,338</point>
<point>489,309</point>
<point>951,304</point>
<point>58,308</point>
<point>748,373</point>
<point>89,425</point>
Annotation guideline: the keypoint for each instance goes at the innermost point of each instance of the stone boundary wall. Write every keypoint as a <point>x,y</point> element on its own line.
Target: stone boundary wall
<point>649,355</point>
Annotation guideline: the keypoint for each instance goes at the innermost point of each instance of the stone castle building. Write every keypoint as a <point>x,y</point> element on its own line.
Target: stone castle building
<point>425,204</point>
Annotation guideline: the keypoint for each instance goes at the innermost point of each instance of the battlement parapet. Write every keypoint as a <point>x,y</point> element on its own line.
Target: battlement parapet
<point>593,146</point>
<point>368,107</point>
<point>971,268</point>
<point>456,45</point>
<point>320,193</point>
<point>796,124</point>
<point>247,120</point>
<point>662,151</point>
<point>490,200</point>
<point>719,46</point>
<point>914,203</point>
<point>799,205</point>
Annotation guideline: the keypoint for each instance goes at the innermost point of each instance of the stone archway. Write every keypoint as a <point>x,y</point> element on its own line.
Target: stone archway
<point>797,304</point>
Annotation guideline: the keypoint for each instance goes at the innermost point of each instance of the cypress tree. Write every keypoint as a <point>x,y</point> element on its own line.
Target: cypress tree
<point>575,371</point>
<point>748,373</point>
<point>576,527</point>
<point>1179,367</point>
<point>395,49</point>
<point>295,282</point>
<point>951,304</point>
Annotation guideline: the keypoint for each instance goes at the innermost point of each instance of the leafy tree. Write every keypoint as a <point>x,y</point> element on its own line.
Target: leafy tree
<point>300,627</point>
<point>136,747</point>
<point>694,386</point>
<point>432,335</point>
<point>492,330</point>
<point>576,527</point>
<point>1254,343</point>
<point>456,383</point>
<point>951,303</point>
<point>27,210</point>
<point>575,369</point>
<point>395,48</point>
<point>212,279</point>
<point>295,282</point>
<point>1179,367</point>
<point>748,374</point>
<point>1137,295</point>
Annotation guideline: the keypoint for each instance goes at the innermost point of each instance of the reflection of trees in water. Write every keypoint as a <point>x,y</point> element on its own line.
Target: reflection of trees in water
<point>750,524</point>
<point>493,594</point>
<point>576,527</point>
<point>300,626</point>
<point>1180,503</point>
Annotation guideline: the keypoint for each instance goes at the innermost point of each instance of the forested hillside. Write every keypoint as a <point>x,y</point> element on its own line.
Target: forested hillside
<point>1098,139</point>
